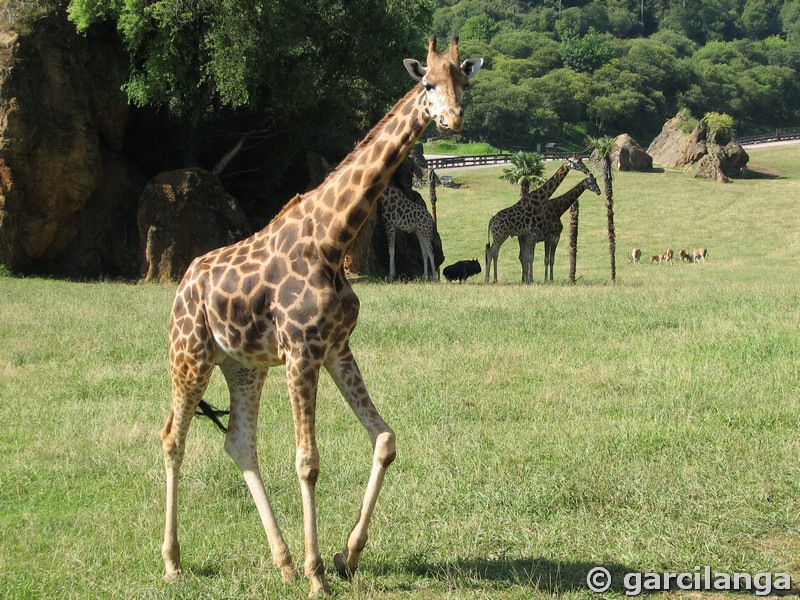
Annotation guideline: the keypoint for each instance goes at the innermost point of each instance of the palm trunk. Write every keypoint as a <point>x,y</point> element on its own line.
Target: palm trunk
<point>612,242</point>
<point>573,239</point>
<point>432,192</point>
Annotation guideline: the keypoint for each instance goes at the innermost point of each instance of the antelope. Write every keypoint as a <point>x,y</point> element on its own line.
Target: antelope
<point>685,257</point>
<point>635,255</point>
<point>699,254</point>
<point>666,257</point>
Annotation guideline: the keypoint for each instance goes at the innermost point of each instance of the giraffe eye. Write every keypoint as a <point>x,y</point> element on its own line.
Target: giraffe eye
<point>428,87</point>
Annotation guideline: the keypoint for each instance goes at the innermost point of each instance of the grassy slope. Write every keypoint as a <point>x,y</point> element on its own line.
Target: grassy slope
<point>650,425</point>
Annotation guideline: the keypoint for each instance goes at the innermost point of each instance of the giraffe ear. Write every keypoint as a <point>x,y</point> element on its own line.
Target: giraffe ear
<point>471,66</point>
<point>416,70</point>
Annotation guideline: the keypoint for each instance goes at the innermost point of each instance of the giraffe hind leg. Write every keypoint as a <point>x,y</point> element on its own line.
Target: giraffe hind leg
<point>186,397</point>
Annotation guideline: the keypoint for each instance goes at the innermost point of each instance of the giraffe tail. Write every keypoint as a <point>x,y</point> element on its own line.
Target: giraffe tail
<point>206,410</point>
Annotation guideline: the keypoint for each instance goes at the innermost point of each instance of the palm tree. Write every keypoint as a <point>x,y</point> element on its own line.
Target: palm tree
<point>527,169</point>
<point>603,147</point>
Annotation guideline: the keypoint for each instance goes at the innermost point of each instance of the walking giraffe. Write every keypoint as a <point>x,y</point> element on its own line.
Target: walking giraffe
<point>518,219</point>
<point>281,297</point>
<point>550,228</point>
<point>400,212</point>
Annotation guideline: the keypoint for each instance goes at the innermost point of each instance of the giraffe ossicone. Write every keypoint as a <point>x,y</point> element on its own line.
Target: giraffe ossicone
<point>281,297</point>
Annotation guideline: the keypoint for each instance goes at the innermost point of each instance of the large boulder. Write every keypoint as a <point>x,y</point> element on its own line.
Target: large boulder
<point>628,155</point>
<point>183,214</point>
<point>676,148</point>
<point>67,199</point>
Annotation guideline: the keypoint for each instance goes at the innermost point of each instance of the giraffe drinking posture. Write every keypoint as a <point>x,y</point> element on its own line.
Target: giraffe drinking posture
<point>281,297</point>
<point>521,219</point>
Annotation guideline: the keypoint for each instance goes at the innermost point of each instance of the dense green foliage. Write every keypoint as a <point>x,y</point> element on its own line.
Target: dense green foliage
<point>288,68</point>
<point>625,65</point>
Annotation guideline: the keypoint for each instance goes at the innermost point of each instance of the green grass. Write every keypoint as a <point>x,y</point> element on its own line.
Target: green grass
<point>650,425</point>
<point>459,149</point>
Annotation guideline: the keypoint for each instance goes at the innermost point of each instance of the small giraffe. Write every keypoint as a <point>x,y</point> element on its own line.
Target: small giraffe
<point>517,219</point>
<point>400,212</point>
<point>281,297</point>
<point>550,229</point>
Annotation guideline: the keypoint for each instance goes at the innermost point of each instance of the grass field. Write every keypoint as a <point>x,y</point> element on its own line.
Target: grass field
<point>650,425</point>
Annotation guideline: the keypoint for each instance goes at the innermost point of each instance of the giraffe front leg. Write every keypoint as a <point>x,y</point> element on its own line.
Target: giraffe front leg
<point>345,372</point>
<point>302,376</point>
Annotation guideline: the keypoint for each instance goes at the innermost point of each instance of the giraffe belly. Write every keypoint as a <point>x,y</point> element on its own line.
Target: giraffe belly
<point>254,345</point>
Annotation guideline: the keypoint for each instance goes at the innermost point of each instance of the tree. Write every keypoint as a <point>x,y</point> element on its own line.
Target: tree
<point>480,27</point>
<point>604,147</point>
<point>527,169</point>
<point>586,54</point>
<point>288,62</point>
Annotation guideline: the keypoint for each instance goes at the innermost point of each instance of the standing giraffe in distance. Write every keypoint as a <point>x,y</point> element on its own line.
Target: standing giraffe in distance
<point>400,212</point>
<point>550,228</point>
<point>281,297</point>
<point>517,219</point>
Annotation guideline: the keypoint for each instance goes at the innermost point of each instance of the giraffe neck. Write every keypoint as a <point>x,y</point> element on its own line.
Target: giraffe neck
<point>562,203</point>
<point>544,191</point>
<point>349,194</point>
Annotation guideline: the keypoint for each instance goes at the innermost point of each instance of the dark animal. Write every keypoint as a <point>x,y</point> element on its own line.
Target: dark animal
<point>461,270</point>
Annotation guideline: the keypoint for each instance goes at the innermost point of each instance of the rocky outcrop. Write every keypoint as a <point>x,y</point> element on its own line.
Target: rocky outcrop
<point>673,147</point>
<point>628,155</point>
<point>183,214</point>
<point>67,199</point>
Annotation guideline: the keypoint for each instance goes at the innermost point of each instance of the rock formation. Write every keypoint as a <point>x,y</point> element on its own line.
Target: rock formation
<point>673,147</point>
<point>628,155</point>
<point>183,214</point>
<point>67,199</point>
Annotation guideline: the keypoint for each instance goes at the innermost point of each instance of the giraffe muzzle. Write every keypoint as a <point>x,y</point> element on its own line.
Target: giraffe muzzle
<point>452,120</point>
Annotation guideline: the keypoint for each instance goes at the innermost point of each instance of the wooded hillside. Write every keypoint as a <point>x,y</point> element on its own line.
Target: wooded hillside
<point>625,65</point>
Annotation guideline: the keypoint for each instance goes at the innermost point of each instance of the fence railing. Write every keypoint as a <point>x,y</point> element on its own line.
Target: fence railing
<point>792,133</point>
<point>780,135</point>
<point>468,161</point>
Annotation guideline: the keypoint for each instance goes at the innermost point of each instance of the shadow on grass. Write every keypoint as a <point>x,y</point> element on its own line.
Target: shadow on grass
<point>542,574</point>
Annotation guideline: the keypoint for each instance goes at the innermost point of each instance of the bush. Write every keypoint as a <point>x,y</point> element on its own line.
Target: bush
<point>719,127</point>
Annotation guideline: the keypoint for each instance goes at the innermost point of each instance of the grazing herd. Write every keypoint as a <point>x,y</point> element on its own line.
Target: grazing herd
<point>696,255</point>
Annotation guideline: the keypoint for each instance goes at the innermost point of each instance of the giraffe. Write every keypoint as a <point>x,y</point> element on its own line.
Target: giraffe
<point>281,297</point>
<point>550,228</point>
<point>400,212</point>
<point>515,220</point>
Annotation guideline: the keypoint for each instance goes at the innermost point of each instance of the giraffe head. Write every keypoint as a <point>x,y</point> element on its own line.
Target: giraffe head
<point>591,184</point>
<point>444,80</point>
<point>575,162</point>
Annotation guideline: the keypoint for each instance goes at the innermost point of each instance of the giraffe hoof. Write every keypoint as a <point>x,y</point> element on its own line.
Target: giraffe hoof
<point>173,576</point>
<point>344,571</point>
<point>319,587</point>
<point>287,573</point>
